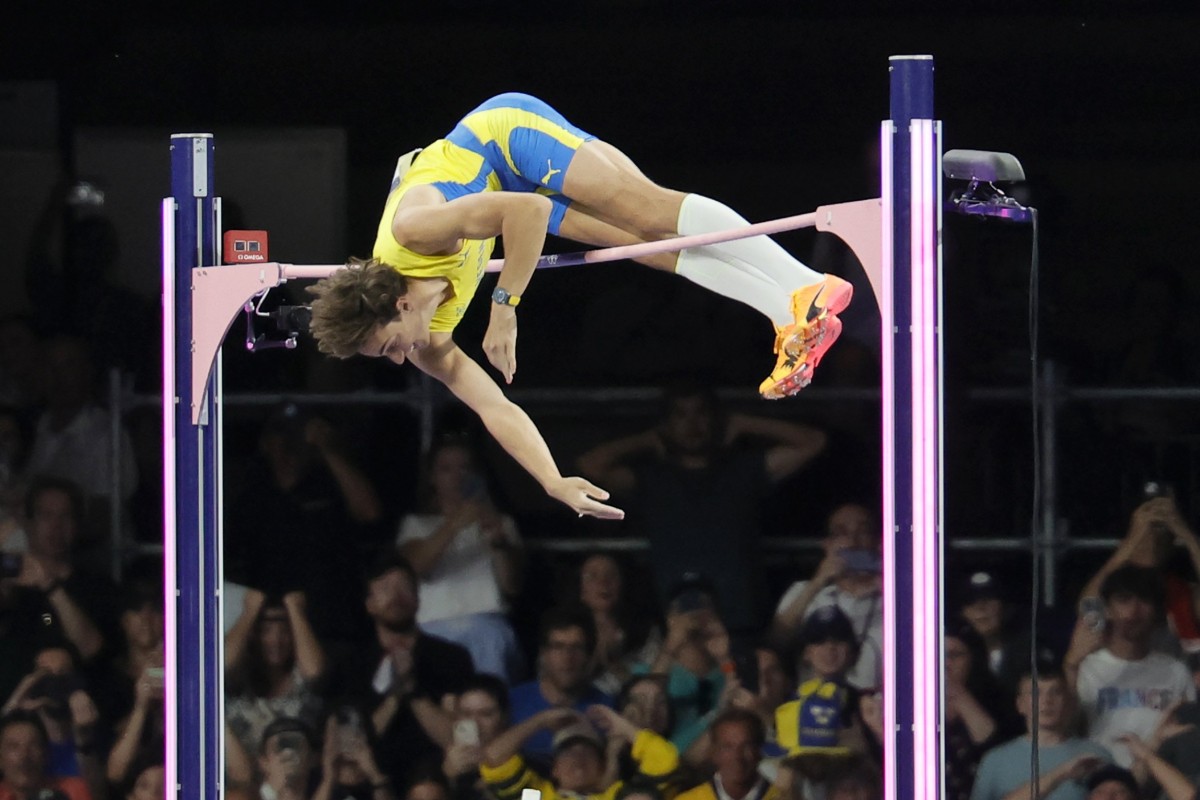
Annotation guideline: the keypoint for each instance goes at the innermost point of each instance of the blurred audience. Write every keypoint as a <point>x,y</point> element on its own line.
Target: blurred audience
<point>51,589</point>
<point>626,636</point>
<point>1124,687</point>
<point>25,765</point>
<point>1064,760</point>
<point>848,577</point>
<point>698,481</point>
<point>823,719</point>
<point>73,439</point>
<point>287,760</point>
<point>975,714</point>
<point>302,520</point>
<point>1157,531</point>
<point>469,558</point>
<point>982,604</point>
<point>481,712</point>
<point>577,765</point>
<point>566,643</point>
<point>274,666</point>
<point>696,658</point>
<point>405,677</point>
<point>737,738</point>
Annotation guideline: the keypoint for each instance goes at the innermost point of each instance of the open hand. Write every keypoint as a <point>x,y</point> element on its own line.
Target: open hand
<point>583,497</point>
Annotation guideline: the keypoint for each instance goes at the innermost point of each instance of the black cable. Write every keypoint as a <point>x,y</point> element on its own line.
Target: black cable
<point>1034,521</point>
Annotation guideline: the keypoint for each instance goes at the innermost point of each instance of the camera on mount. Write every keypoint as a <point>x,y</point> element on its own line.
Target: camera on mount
<point>982,170</point>
<point>286,324</point>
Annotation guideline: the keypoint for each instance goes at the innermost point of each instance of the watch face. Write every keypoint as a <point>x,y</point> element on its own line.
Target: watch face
<point>500,296</point>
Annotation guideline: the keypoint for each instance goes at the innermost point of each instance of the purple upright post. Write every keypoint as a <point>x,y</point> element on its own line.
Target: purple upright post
<point>912,401</point>
<point>191,492</point>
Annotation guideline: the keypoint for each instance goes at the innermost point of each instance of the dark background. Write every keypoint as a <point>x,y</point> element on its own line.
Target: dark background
<point>773,107</point>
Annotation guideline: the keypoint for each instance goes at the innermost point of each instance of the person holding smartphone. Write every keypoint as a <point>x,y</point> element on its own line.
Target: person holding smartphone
<point>469,558</point>
<point>849,577</point>
<point>481,713</point>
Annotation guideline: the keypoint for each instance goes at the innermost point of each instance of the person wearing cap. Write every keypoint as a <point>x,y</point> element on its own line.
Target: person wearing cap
<point>1064,759</point>
<point>1123,686</point>
<point>849,577</point>
<point>286,760</point>
<point>568,639</point>
<point>578,764</point>
<point>821,720</point>
<point>984,607</point>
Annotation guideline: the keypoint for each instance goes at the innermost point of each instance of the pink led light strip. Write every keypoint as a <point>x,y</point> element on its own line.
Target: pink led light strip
<point>926,577</point>
<point>888,386</point>
<point>170,621</point>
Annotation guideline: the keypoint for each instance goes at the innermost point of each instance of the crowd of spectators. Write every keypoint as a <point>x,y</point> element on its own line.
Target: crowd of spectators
<point>361,666</point>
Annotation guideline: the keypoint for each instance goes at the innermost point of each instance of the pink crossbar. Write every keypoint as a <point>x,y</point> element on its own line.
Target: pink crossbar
<point>220,292</point>
<point>301,271</point>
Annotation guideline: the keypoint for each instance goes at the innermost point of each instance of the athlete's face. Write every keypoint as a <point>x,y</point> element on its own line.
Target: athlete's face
<point>398,339</point>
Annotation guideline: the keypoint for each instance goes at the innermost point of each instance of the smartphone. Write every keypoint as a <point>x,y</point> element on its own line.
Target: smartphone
<point>861,561</point>
<point>466,731</point>
<point>1092,612</point>
<point>10,564</point>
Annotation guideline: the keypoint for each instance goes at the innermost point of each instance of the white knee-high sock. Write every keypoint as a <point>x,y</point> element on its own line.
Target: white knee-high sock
<point>701,266</point>
<point>700,214</point>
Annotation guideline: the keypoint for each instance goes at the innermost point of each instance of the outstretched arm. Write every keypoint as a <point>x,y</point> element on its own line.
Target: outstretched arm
<point>510,426</point>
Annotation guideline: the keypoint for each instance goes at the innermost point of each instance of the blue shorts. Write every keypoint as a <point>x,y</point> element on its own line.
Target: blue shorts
<point>526,144</point>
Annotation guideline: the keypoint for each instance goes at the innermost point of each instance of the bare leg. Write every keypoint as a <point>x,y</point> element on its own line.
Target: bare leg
<point>581,224</point>
<point>607,182</point>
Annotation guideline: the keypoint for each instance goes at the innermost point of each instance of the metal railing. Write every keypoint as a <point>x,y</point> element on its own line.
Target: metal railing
<point>425,397</point>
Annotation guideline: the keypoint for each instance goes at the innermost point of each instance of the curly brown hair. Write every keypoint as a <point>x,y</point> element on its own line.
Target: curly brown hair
<point>353,302</point>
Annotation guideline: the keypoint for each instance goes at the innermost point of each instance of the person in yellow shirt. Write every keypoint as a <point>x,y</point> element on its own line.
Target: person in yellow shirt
<point>578,767</point>
<point>515,167</point>
<point>738,736</point>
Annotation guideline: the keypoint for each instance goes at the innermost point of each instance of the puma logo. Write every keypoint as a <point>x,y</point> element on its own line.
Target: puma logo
<point>550,172</point>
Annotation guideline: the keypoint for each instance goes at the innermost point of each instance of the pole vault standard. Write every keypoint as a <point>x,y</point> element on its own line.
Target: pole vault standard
<point>896,242</point>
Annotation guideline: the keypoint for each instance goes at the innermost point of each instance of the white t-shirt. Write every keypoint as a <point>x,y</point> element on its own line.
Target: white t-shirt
<point>865,614</point>
<point>462,581</point>
<point>1119,696</point>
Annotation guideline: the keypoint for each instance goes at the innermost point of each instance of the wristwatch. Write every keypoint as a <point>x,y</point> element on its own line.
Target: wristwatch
<point>501,297</point>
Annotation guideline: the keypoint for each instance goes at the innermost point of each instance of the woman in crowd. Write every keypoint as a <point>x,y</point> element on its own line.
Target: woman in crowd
<point>623,636</point>
<point>469,559</point>
<point>273,666</point>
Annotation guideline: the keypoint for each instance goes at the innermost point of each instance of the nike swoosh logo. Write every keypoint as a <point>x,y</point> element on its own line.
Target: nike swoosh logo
<point>550,172</point>
<point>813,309</point>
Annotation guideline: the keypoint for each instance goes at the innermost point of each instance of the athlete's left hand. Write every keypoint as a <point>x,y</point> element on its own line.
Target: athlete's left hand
<point>500,341</point>
<point>579,493</point>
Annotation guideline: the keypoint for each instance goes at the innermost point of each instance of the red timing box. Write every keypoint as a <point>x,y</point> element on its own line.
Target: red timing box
<point>245,246</point>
